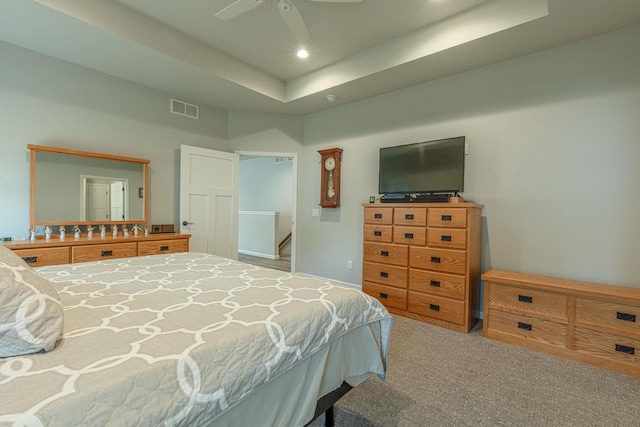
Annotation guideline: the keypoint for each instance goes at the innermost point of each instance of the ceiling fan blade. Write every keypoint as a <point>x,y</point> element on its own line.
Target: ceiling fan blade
<point>236,8</point>
<point>292,18</point>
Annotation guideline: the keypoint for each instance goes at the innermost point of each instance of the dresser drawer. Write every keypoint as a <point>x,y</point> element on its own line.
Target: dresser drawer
<point>437,307</point>
<point>378,215</point>
<point>440,284</point>
<point>447,238</point>
<point>410,235</point>
<point>103,252</point>
<point>610,346</point>
<point>44,256</point>
<point>528,301</point>
<point>410,216</point>
<point>442,260</point>
<point>611,314</point>
<point>386,253</point>
<point>378,233</point>
<point>387,295</point>
<point>447,217</point>
<point>163,247</point>
<point>531,328</point>
<point>385,274</point>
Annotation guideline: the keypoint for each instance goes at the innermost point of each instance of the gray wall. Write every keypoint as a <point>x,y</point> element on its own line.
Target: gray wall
<point>553,144</point>
<point>51,102</point>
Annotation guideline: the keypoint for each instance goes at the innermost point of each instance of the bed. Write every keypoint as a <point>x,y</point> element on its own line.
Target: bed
<point>192,339</point>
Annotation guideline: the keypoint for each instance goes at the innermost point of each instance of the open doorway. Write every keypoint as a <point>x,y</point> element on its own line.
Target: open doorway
<point>267,209</point>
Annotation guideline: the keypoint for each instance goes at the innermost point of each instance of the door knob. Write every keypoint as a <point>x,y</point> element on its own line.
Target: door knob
<point>185,223</point>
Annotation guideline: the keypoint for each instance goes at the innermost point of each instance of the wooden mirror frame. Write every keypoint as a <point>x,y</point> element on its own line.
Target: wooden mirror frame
<point>34,149</point>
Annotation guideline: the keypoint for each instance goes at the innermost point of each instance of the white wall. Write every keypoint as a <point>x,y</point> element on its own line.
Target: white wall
<point>554,145</point>
<point>50,102</point>
<point>267,186</point>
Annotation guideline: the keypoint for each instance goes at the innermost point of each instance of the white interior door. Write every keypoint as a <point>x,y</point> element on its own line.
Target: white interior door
<point>209,200</point>
<point>97,202</point>
<point>117,201</point>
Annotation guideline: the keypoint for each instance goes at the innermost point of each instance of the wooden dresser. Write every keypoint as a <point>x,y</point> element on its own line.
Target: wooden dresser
<point>587,322</point>
<point>55,251</point>
<point>422,260</point>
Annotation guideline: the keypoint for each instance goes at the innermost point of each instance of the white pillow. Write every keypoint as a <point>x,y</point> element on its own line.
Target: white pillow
<point>31,314</point>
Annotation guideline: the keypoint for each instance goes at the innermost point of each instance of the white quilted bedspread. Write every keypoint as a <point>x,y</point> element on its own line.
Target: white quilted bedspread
<point>173,339</point>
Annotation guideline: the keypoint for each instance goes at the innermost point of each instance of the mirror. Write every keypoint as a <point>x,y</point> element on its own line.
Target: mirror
<point>79,187</point>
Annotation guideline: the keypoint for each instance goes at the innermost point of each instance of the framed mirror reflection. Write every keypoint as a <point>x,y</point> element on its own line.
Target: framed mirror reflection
<point>80,187</point>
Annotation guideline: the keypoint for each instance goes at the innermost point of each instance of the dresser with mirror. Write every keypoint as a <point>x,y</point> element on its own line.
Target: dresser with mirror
<point>74,195</point>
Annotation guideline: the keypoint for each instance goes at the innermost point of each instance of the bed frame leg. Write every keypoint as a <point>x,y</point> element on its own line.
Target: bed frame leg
<point>329,420</point>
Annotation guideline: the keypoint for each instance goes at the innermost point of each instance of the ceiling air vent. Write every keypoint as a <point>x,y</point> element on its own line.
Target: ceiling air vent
<point>185,109</point>
<point>283,159</point>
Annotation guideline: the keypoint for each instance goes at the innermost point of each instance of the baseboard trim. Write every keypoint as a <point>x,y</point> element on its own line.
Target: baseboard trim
<point>258,254</point>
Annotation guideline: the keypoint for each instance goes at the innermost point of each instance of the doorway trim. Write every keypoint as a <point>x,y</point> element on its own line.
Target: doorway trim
<point>294,196</point>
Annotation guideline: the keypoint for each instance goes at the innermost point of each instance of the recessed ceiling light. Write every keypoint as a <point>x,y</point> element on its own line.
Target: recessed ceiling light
<point>303,53</point>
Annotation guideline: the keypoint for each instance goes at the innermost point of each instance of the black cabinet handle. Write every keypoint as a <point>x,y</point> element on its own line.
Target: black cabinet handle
<point>408,235</point>
<point>626,317</point>
<point>377,233</point>
<point>525,326</point>
<point>434,307</point>
<point>446,217</point>
<point>445,238</point>
<point>377,216</point>
<point>408,216</point>
<point>164,248</point>
<point>30,259</point>
<point>384,274</point>
<point>436,259</point>
<point>524,298</point>
<point>625,349</point>
<point>435,283</point>
<point>382,295</point>
<point>106,253</point>
<point>384,253</point>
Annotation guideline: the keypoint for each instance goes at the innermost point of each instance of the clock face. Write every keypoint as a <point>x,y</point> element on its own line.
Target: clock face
<point>330,163</point>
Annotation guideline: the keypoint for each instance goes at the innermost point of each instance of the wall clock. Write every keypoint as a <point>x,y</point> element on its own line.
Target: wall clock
<point>330,177</point>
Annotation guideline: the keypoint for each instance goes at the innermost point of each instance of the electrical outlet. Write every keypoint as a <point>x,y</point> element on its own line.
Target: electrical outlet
<point>349,265</point>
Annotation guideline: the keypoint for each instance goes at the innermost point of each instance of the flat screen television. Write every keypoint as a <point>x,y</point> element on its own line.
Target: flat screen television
<point>429,167</point>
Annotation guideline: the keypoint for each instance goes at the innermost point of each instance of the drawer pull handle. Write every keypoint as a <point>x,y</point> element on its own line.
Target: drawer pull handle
<point>408,235</point>
<point>377,216</point>
<point>446,217</point>
<point>435,283</point>
<point>384,274</point>
<point>445,238</point>
<point>625,349</point>
<point>383,295</point>
<point>164,248</point>
<point>524,298</point>
<point>377,233</point>
<point>106,253</point>
<point>434,307</point>
<point>408,216</point>
<point>384,253</point>
<point>525,326</point>
<point>30,259</point>
<point>626,317</point>
<point>436,259</point>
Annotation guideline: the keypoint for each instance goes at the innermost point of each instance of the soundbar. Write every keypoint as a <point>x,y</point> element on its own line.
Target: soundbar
<point>416,198</point>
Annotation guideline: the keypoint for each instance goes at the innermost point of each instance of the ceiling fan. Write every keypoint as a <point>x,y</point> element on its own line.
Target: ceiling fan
<point>288,11</point>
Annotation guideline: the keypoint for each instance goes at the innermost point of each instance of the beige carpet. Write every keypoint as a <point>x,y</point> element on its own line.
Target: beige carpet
<point>437,377</point>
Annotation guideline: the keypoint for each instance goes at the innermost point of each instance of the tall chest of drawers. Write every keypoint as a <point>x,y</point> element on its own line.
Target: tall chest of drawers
<point>587,322</point>
<point>422,260</point>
